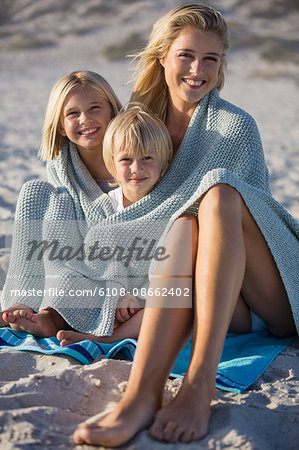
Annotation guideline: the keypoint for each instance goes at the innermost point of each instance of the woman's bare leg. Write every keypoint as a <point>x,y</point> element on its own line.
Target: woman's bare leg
<point>232,257</point>
<point>163,333</point>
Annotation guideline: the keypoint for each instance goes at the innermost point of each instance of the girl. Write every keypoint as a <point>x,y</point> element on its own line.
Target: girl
<point>244,234</point>
<point>79,110</point>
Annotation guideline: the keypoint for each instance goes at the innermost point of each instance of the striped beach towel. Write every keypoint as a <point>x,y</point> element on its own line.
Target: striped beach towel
<point>244,358</point>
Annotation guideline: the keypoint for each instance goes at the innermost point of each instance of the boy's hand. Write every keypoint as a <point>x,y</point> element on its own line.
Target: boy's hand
<point>127,306</point>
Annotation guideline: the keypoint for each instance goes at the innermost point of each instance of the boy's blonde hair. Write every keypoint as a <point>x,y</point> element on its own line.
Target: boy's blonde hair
<point>150,87</point>
<point>136,130</point>
<point>52,140</point>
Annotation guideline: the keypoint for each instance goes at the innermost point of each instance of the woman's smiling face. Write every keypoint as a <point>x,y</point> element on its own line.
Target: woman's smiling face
<point>191,67</point>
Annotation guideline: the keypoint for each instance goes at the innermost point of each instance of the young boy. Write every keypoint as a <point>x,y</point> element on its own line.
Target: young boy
<point>137,149</point>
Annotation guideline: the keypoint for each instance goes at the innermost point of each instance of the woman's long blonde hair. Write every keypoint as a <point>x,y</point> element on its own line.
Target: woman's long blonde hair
<point>52,140</point>
<point>150,86</point>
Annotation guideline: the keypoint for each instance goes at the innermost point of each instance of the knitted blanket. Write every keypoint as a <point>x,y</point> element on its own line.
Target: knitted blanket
<point>66,230</point>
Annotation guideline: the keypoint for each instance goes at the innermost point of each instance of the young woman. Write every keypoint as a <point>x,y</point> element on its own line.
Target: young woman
<point>248,245</point>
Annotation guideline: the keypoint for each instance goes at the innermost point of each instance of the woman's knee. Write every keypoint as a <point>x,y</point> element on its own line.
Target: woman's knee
<point>221,199</point>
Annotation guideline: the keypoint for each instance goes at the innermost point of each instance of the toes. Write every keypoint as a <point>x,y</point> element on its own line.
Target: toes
<point>192,435</point>
<point>63,335</point>
<point>60,335</point>
<point>82,434</point>
<point>17,314</point>
<point>12,317</point>
<point>173,432</point>
<point>169,431</point>
<point>65,342</point>
<point>89,434</point>
<point>156,431</point>
<point>187,436</point>
<point>78,436</point>
<point>66,337</point>
<point>25,314</point>
<point>71,337</point>
<point>198,435</point>
<point>5,316</point>
<point>178,432</point>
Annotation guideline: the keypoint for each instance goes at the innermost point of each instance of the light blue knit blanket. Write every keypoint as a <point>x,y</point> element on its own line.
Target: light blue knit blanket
<point>72,216</point>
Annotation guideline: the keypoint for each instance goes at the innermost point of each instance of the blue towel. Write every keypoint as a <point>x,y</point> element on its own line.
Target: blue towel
<point>244,357</point>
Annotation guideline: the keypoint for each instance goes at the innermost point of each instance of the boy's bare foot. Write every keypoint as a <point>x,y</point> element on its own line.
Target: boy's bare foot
<point>45,323</point>
<point>186,418</point>
<point>5,314</point>
<point>67,337</point>
<point>119,426</point>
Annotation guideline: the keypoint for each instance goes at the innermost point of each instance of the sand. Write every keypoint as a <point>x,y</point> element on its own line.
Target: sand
<point>43,398</point>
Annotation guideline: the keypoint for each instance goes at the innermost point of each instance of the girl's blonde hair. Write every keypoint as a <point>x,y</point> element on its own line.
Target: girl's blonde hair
<point>150,87</point>
<point>52,140</point>
<point>136,130</point>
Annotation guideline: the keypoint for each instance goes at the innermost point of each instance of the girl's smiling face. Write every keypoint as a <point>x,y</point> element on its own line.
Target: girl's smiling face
<point>191,67</point>
<point>85,117</point>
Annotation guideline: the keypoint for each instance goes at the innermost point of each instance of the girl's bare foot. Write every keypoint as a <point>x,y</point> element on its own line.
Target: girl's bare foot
<point>23,320</point>
<point>186,418</point>
<point>120,425</point>
<point>4,315</point>
<point>45,323</point>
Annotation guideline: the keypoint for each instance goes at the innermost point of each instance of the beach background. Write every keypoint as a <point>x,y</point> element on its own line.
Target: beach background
<point>43,398</point>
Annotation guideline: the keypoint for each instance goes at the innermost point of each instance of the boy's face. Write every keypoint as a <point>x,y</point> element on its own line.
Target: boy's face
<point>137,174</point>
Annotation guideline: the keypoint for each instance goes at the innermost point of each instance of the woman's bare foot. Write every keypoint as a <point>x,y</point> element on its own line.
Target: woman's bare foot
<point>186,418</point>
<point>120,425</point>
<point>45,323</point>
<point>5,314</point>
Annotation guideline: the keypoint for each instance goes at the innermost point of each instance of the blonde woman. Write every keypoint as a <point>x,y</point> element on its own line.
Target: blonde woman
<point>244,234</point>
